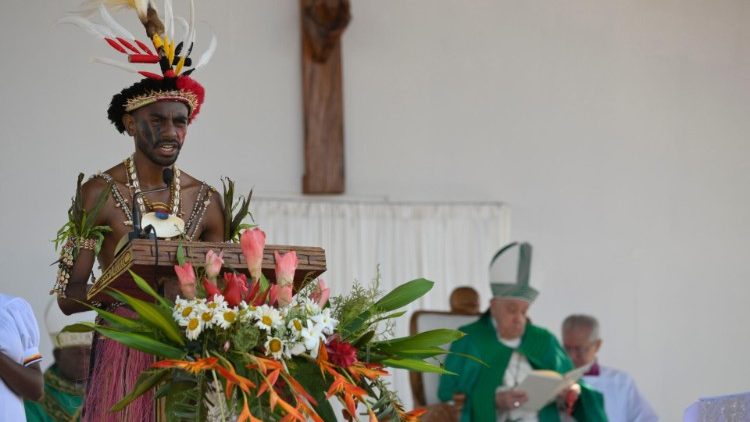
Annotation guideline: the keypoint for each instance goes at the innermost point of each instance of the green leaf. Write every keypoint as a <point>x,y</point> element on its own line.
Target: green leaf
<point>309,376</point>
<point>180,255</point>
<point>403,295</point>
<point>415,365</point>
<point>146,381</point>
<point>264,284</point>
<point>117,321</point>
<point>143,284</point>
<point>364,339</point>
<point>354,325</point>
<point>423,353</point>
<point>389,316</point>
<point>152,315</point>
<point>141,342</point>
<point>80,327</point>
<point>426,339</point>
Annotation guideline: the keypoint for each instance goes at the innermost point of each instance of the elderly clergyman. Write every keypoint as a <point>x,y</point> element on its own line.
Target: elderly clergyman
<point>622,400</point>
<point>512,347</point>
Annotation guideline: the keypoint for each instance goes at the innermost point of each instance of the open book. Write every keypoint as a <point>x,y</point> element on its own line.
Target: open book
<point>543,386</point>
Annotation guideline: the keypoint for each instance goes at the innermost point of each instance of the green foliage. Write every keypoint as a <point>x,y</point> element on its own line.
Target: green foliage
<point>153,315</point>
<point>309,376</point>
<point>142,342</point>
<point>404,295</point>
<point>80,222</point>
<point>146,381</point>
<point>246,337</point>
<point>235,212</point>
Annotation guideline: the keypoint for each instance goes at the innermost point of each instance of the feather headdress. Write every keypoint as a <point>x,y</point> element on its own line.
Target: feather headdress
<point>172,55</point>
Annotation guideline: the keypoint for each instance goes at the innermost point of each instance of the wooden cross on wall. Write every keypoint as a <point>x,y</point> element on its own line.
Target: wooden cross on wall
<point>323,22</point>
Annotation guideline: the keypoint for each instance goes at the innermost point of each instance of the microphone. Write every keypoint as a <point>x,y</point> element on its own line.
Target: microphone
<point>167,175</point>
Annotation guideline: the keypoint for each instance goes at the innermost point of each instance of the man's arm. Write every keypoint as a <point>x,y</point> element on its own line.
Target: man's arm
<point>79,275</point>
<point>26,382</point>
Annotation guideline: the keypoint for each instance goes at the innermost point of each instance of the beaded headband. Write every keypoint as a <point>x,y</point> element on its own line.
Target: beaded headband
<point>151,97</point>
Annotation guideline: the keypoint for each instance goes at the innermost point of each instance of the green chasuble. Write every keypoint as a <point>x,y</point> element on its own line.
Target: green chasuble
<point>62,400</point>
<point>541,349</point>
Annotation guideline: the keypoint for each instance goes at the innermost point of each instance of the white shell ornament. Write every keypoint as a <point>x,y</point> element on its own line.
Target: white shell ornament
<point>166,226</point>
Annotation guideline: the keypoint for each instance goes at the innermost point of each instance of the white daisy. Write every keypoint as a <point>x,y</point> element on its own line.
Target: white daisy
<point>274,347</point>
<point>224,318</point>
<point>247,312</point>
<point>207,315</point>
<point>268,317</point>
<point>311,308</point>
<point>194,327</point>
<point>187,311</point>
<point>218,302</point>
<point>295,327</point>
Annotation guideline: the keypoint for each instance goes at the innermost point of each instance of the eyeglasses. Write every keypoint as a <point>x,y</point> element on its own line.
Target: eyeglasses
<point>579,350</point>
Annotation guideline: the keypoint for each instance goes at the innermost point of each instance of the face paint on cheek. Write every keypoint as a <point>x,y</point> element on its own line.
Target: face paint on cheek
<point>147,134</point>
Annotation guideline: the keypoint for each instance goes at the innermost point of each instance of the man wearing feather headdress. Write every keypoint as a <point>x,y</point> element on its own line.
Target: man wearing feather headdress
<point>156,112</point>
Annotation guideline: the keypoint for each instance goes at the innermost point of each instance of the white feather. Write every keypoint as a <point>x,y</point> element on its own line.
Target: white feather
<point>122,66</point>
<point>112,23</point>
<point>141,7</point>
<point>169,19</point>
<point>191,40</point>
<point>100,31</point>
<point>185,29</point>
<point>206,56</point>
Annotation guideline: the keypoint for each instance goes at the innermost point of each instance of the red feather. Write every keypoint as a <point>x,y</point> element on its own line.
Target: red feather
<point>151,75</point>
<point>142,58</point>
<point>127,45</point>
<point>115,45</point>
<point>144,47</point>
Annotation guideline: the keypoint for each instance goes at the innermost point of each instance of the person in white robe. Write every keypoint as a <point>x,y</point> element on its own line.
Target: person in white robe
<point>622,400</point>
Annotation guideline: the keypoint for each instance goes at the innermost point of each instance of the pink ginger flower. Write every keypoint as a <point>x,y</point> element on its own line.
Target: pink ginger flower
<point>214,262</point>
<point>253,242</point>
<point>321,293</point>
<point>285,295</point>
<point>286,265</point>
<point>186,277</point>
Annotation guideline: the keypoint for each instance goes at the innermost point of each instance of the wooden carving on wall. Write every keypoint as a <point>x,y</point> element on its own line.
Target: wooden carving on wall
<point>323,22</point>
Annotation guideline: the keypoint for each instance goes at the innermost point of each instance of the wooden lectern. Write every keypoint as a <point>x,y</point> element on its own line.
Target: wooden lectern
<point>155,261</point>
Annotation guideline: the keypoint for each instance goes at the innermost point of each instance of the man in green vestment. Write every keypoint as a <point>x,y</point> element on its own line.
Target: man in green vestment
<point>511,346</point>
<point>65,380</point>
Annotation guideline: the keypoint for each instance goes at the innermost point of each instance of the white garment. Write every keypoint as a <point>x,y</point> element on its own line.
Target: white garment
<point>517,370</point>
<point>19,340</point>
<point>622,400</point>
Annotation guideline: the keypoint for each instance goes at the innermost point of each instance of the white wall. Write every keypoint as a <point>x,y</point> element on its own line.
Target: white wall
<point>614,129</point>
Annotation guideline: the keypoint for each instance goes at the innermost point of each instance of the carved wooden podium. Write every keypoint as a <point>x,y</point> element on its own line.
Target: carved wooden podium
<point>154,261</point>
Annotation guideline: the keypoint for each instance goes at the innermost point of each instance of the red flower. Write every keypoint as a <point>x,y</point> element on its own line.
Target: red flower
<point>341,353</point>
<point>236,288</point>
<point>211,289</point>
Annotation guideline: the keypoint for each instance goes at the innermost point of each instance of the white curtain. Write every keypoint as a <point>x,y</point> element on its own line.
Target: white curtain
<point>448,243</point>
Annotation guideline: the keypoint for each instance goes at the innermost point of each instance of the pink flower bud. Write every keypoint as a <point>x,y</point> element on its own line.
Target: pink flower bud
<point>186,277</point>
<point>285,295</point>
<point>321,293</point>
<point>286,265</point>
<point>253,242</point>
<point>213,263</point>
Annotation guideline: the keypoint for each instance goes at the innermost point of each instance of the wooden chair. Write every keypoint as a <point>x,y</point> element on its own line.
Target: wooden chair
<point>424,386</point>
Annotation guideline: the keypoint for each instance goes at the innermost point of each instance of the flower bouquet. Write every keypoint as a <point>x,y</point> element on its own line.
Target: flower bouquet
<point>258,351</point>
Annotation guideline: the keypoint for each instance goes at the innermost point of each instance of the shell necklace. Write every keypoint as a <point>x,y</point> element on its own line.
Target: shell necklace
<point>163,218</point>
